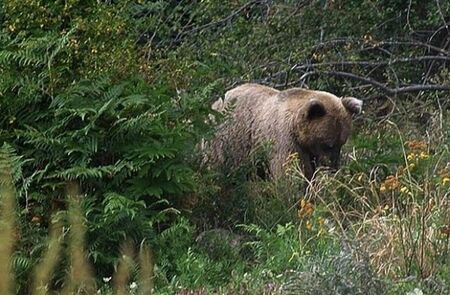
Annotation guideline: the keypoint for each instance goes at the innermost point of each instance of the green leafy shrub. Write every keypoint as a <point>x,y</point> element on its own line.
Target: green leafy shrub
<point>129,144</point>
<point>347,273</point>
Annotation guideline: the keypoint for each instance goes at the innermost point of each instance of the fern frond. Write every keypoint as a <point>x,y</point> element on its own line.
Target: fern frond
<point>24,57</point>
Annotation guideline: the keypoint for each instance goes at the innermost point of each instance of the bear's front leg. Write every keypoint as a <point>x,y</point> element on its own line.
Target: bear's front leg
<point>308,164</point>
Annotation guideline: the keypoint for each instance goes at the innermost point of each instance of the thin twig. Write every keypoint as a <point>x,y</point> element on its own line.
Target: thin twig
<point>383,87</point>
<point>372,63</point>
<point>413,43</point>
<point>216,23</point>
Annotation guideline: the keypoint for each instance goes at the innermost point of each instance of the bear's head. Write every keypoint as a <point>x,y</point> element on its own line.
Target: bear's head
<point>322,125</point>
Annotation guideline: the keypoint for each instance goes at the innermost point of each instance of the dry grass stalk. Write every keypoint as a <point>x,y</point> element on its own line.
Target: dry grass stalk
<point>146,274</point>
<point>81,277</point>
<point>7,227</point>
<point>123,273</point>
<point>43,273</point>
<point>399,233</point>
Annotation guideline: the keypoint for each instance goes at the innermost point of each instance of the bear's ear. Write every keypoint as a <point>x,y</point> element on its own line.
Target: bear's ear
<point>218,105</point>
<point>315,109</point>
<point>353,105</point>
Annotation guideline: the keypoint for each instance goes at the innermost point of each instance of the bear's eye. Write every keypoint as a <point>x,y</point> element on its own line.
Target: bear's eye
<point>327,147</point>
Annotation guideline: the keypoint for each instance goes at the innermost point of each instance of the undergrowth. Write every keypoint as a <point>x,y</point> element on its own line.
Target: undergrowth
<point>105,105</point>
<point>380,225</point>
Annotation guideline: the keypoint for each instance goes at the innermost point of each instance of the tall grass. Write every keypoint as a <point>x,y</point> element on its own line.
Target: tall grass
<point>380,225</point>
<point>146,273</point>
<point>7,224</point>
<point>80,277</point>
<point>43,272</point>
<point>122,275</point>
<point>399,215</point>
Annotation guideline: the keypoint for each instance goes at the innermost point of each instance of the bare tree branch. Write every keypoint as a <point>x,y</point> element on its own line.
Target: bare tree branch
<point>413,43</point>
<point>311,66</point>
<point>383,87</point>
<point>334,42</point>
<point>372,63</point>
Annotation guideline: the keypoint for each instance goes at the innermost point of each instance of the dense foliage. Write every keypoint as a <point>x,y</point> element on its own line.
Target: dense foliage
<point>115,96</point>
<point>75,107</point>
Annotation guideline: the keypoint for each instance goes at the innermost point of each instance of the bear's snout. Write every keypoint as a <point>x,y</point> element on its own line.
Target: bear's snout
<point>328,162</point>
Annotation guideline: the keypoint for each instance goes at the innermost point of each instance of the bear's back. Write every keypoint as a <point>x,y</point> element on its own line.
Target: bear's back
<point>248,94</point>
<point>255,98</point>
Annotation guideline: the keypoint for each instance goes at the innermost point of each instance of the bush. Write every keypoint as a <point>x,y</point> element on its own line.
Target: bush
<point>127,143</point>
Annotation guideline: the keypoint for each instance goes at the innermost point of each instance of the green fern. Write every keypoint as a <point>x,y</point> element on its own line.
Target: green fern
<point>71,113</point>
<point>21,263</point>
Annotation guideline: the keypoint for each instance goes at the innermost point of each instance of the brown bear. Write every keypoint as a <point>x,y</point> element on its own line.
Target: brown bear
<point>314,124</point>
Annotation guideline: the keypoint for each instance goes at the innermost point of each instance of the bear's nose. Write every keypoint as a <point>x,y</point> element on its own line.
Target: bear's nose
<point>330,165</point>
<point>332,169</point>
<point>329,169</point>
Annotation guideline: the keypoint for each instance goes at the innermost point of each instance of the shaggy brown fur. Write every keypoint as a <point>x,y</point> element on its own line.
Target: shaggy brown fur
<point>314,124</point>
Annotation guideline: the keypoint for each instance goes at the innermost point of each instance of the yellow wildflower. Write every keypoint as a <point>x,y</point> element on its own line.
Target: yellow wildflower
<point>308,225</point>
<point>404,190</point>
<point>306,209</point>
<point>321,221</point>
<point>390,183</point>
<point>445,180</point>
<point>317,56</point>
<point>367,38</point>
<point>411,157</point>
<point>424,156</point>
